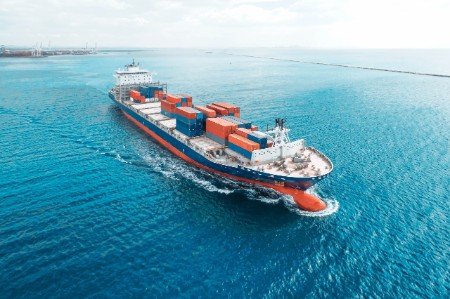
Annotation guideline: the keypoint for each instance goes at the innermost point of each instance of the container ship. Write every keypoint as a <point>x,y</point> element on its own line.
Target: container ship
<point>215,138</point>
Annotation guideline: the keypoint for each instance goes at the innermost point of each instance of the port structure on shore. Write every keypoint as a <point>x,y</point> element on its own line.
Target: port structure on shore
<point>37,51</point>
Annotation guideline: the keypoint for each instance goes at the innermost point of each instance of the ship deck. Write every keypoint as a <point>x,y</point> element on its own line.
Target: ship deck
<point>309,163</point>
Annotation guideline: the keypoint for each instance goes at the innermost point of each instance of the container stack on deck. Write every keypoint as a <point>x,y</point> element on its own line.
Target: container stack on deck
<point>221,122</point>
<point>242,145</point>
<point>206,113</point>
<point>254,136</point>
<point>168,108</point>
<point>186,100</point>
<point>220,111</point>
<point>136,96</point>
<point>219,129</point>
<point>239,121</point>
<point>171,102</point>
<point>150,91</point>
<point>160,95</point>
<point>189,121</point>
<point>232,110</point>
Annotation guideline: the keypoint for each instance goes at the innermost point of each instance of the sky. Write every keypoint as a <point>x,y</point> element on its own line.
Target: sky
<point>227,24</point>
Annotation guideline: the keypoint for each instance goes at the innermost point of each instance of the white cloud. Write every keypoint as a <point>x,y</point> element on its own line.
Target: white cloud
<point>216,23</point>
<point>247,15</point>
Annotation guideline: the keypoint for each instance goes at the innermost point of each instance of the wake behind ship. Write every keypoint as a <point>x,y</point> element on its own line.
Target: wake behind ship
<point>215,138</point>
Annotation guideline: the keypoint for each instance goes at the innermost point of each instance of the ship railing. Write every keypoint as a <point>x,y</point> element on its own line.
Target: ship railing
<point>327,160</point>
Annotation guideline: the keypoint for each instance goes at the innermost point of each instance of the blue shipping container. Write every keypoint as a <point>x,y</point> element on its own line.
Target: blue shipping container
<point>216,138</point>
<point>238,121</point>
<point>240,150</point>
<point>258,138</point>
<point>171,115</point>
<point>196,122</point>
<point>199,113</point>
<point>189,132</point>
<point>193,126</point>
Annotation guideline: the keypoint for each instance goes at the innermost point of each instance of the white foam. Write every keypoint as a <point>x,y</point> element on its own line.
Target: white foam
<point>332,205</point>
<point>174,169</point>
<point>118,157</point>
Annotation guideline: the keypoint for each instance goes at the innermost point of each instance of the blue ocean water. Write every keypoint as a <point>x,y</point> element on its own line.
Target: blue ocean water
<point>90,206</point>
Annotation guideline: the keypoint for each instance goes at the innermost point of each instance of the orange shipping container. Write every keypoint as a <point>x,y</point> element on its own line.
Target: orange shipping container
<point>158,93</point>
<point>254,128</point>
<point>135,94</point>
<point>269,143</point>
<point>189,114</point>
<point>161,96</point>
<point>243,132</point>
<point>168,106</point>
<point>206,111</point>
<point>219,110</point>
<point>231,108</point>
<point>173,99</point>
<point>188,97</point>
<point>243,142</point>
<point>220,127</point>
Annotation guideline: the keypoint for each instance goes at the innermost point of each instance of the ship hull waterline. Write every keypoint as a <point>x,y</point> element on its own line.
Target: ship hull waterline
<point>303,200</point>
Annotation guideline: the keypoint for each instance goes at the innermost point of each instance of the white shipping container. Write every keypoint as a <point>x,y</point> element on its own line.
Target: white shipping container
<point>146,105</point>
<point>151,110</point>
<point>205,144</point>
<point>170,123</point>
<point>158,117</point>
<point>180,135</point>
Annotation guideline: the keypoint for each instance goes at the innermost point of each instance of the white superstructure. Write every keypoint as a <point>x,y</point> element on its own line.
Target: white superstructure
<point>133,75</point>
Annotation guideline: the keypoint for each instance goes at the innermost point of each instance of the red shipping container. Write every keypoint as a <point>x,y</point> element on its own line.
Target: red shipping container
<point>189,114</point>
<point>206,111</point>
<point>237,114</point>
<point>243,132</point>
<point>254,128</point>
<point>219,110</point>
<point>173,99</point>
<point>243,142</point>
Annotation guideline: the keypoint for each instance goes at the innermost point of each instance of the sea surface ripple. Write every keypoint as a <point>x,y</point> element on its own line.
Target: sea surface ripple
<point>90,206</point>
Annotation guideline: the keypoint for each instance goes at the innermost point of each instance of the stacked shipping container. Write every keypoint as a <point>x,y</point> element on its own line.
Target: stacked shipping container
<point>206,111</point>
<point>231,109</point>
<point>186,100</point>
<point>240,122</point>
<point>228,129</point>
<point>136,96</point>
<point>189,121</point>
<point>160,95</point>
<point>150,91</point>
<point>254,136</point>
<point>219,129</point>
<point>242,145</point>
<point>168,108</point>
<point>219,110</point>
